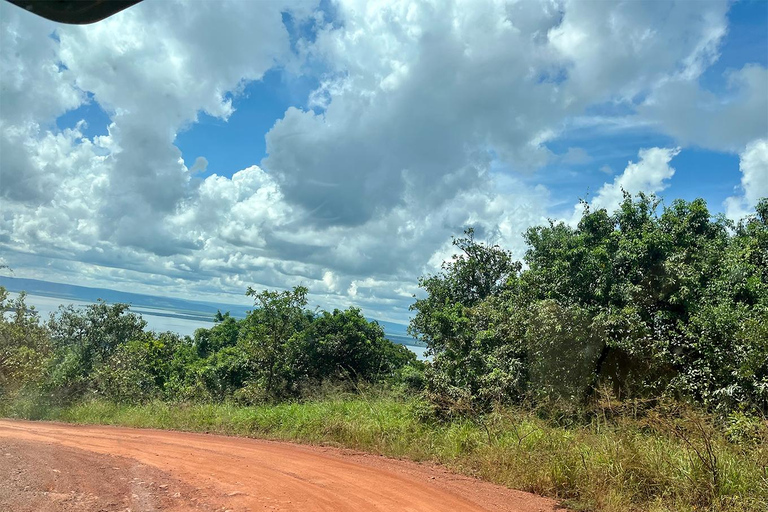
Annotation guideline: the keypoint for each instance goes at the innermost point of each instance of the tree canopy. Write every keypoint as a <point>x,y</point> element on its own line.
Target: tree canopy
<point>280,351</point>
<point>648,300</point>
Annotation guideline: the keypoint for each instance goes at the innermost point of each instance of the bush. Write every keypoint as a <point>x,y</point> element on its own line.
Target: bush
<point>24,346</point>
<point>671,304</point>
<point>84,340</point>
<point>138,370</point>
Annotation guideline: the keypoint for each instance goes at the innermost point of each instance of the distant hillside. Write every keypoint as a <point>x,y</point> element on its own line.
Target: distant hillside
<point>87,294</point>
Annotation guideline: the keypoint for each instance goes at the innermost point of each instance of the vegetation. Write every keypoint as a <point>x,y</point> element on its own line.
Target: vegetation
<point>622,366</point>
<point>648,305</point>
<point>280,351</point>
<point>624,459</point>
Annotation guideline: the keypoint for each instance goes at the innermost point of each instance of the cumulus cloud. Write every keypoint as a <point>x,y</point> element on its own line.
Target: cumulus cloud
<point>753,163</point>
<point>650,174</point>
<point>722,122</point>
<point>619,50</point>
<point>398,148</point>
<point>35,87</point>
<point>428,95</point>
<point>153,68</point>
<point>34,90</point>
<point>153,90</point>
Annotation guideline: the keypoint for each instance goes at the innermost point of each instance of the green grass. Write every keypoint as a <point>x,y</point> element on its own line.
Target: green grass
<point>664,461</point>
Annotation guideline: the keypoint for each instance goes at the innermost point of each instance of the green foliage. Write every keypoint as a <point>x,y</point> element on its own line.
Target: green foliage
<point>265,338</point>
<point>411,377</point>
<point>477,358</point>
<point>563,343</point>
<point>138,370</point>
<point>84,340</point>
<point>280,351</point>
<point>647,302</point>
<point>485,365</point>
<point>344,345</point>
<point>223,334</point>
<point>478,272</point>
<point>24,345</point>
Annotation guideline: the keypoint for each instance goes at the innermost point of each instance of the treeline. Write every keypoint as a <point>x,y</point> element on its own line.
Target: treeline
<point>646,302</point>
<point>280,351</point>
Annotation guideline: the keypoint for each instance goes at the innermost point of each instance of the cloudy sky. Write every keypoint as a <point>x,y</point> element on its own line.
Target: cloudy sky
<point>192,149</point>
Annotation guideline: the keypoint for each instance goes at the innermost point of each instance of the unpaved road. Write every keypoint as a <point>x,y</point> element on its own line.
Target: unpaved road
<point>52,466</point>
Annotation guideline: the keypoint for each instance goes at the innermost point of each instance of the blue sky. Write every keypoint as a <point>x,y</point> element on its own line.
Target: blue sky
<point>746,41</point>
<point>238,142</point>
<point>340,145</point>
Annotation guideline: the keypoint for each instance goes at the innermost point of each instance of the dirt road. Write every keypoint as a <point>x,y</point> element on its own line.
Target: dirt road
<point>52,466</point>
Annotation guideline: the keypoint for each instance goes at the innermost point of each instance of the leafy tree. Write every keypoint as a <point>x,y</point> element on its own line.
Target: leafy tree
<point>185,375</point>
<point>465,324</point>
<point>279,351</point>
<point>344,345</point>
<point>485,365</point>
<point>563,344</point>
<point>479,271</point>
<point>266,334</point>
<point>646,299</point>
<point>83,340</point>
<point>224,334</point>
<point>229,370</point>
<point>24,344</point>
<point>138,370</point>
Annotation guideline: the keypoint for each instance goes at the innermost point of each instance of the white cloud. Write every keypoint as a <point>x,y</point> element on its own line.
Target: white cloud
<point>428,96</point>
<point>153,68</point>
<point>726,122</point>
<point>753,163</point>
<point>621,49</point>
<point>35,88</point>
<point>754,169</point>
<point>419,105</point>
<point>650,174</point>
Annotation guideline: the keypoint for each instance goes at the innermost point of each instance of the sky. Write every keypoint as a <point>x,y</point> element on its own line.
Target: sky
<point>193,149</point>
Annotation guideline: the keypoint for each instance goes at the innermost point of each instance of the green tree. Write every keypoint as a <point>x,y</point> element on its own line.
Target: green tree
<point>266,333</point>
<point>563,344</point>
<point>24,344</point>
<point>139,369</point>
<point>344,345</point>
<point>479,271</point>
<point>651,300</point>
<point>224,334</point>
<point>465,321</point>
<point>83,340</point>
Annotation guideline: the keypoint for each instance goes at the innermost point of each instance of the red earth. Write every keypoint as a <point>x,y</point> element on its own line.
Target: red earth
<point>53,466</point>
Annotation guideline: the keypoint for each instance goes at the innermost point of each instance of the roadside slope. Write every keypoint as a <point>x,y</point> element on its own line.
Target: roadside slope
<point>249,474</point>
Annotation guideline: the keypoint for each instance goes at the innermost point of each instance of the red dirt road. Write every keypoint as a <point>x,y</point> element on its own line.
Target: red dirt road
<point>53,466</point>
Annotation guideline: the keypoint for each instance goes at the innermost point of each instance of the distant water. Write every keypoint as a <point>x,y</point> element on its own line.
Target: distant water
<point>160,319</point>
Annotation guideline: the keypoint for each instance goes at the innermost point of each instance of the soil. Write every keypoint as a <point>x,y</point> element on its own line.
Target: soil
<point>60,467</point>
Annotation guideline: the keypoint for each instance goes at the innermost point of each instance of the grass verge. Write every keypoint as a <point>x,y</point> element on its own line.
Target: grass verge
<point>666,460</point>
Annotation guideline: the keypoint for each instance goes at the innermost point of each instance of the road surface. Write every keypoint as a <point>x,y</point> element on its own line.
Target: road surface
<point>59,467</point>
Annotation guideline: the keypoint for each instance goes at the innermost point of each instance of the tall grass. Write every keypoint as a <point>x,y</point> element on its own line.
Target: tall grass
<point>666,459</point>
